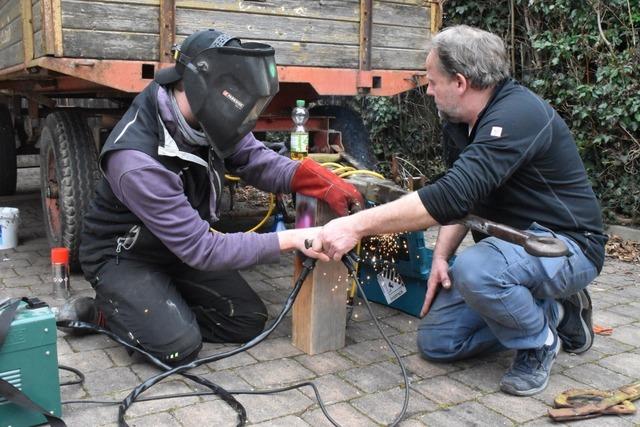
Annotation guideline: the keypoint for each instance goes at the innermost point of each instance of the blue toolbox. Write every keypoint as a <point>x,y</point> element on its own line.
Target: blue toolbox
<point>394,270</point>
<point>29,362</point>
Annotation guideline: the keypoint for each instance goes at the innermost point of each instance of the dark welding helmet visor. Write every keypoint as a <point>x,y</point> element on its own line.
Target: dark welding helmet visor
<point>227,88</point>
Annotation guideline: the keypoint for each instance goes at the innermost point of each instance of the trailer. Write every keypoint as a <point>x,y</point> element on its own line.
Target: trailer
<point>70,68</point>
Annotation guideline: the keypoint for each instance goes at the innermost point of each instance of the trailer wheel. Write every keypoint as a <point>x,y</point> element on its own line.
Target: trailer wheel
<point>68,176</point>
<point>8,156</point>
<point>355,137</point>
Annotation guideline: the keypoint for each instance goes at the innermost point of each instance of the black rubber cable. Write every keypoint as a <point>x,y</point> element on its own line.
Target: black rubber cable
<point>349,261</point>
<point>80,375</point>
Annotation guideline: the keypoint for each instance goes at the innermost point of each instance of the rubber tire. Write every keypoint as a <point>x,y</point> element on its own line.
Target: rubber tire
<point>355,136</point>
<point>68,163</point>
<point>8,154</point>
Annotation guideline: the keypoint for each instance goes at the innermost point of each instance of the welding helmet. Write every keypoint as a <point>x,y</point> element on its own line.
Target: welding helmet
<point>227,83</point>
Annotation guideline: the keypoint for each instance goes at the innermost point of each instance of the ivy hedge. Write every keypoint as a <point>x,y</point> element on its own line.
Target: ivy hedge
<point>583,57</point>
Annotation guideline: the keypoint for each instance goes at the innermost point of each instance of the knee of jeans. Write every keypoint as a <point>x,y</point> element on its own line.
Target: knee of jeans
<point>471,274</point>
<point>435,347</point>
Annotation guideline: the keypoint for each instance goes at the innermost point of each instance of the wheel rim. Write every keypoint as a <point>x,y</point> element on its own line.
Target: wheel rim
<point>51,197</point>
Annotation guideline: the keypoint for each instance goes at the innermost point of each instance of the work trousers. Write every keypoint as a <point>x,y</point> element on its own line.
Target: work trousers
<point>169,310</point>
<point>501,298</point>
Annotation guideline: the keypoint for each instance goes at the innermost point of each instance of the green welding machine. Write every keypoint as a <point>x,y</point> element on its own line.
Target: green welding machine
<point>29,363</point>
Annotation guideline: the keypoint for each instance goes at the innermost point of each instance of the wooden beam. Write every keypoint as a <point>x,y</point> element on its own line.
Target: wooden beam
<point>320,311</point>
<point>167,29</point>
<point>27,30</point>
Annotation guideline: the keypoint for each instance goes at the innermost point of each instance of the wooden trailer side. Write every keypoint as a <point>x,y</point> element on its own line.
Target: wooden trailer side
<point>11,36</point>
<point>313,33</point>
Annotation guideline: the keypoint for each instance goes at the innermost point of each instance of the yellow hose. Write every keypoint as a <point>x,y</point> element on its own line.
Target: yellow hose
<point>332,164</point>
<point>361,172</point>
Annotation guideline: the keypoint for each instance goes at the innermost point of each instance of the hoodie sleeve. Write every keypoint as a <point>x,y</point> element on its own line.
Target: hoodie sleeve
<point>260,166</point>
<point>156,196</point>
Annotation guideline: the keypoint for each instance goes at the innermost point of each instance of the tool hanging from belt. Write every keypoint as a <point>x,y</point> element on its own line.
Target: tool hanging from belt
<point>580,404</point>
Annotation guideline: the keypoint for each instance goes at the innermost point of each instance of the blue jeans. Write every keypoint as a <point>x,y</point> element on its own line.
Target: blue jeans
<point>499,298</point>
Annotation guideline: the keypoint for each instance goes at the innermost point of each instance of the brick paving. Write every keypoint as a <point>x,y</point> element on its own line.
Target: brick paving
<point>360,384</point>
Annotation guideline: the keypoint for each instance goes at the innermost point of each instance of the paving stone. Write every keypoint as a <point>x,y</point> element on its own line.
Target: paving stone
<point>90,342</point>
<point>370,352</point>
<point>344,414</point>
<point>377,377</point>
<point>331,389</point>
<point>610,318</point>
<point>557,384</point>
<point>422,368</point>
<point>228,380</point>
<point>569,360</point>
<point>7,273</point>
<point>267,407</point>
<point>466,414</point>
<point>275,296</point>
<point>274,349</point>
<point>86,361</point>
<point>274,373</point>
<point>14,282</point>
<point>607,345</point>
<point>406,340</point>
<point>543,421</point>
<point>458,389</point>
<point>8,263</point>
<point>153,420</point>
<point>139,409</point>
<point>597,376</point>
<point>402,322</point>
<point>211,413</point>
<point>325,363</point>
<point>107,381</point>
<point>627,364</point>
<point>384,407</point>
<point>445,391</point>
<point>485,377</point>
<point>83,415</point>
<point>252,275</point>
<point>629,334</point>
<point>516,408</point>
<point>289,421</point>
<point>631,311</point>
<point>240,359</point>
<point>364,331</point>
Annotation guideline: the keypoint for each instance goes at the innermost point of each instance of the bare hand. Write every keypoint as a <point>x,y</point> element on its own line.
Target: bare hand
<point>296,238</point>
<point>336,238</point>
<point>439,276</point>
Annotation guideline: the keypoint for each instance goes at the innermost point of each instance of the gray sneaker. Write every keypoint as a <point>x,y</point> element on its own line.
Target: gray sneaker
<point>576,328</point>
<point>529,373</point>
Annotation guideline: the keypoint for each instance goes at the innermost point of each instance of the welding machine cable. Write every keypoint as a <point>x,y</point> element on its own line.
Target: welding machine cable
<point>349,261</point>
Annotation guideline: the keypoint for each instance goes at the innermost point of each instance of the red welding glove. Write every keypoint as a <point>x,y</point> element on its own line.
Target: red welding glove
<point>311,179</point>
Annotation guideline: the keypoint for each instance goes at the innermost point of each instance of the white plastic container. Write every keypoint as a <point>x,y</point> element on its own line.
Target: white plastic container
<point>9,219</point>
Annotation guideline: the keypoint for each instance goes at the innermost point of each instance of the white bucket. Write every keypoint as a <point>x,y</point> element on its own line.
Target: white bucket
<point>9,218</point>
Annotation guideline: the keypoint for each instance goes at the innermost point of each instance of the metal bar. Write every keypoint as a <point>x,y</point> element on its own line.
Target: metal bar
<point>167,29</point>
<point>126,76</point>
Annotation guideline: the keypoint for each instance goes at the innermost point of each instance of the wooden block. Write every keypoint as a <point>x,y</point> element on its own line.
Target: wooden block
<point>319,313</point>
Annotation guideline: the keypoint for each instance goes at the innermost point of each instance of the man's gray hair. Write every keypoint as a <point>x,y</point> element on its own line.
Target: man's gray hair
<point>478,55</point>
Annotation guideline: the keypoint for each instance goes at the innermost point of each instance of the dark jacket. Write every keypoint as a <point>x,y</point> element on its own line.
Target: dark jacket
<point>518,165</point>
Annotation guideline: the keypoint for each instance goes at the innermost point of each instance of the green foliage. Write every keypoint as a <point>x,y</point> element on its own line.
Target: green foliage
<point>581,56</point>
<point>404,127</point>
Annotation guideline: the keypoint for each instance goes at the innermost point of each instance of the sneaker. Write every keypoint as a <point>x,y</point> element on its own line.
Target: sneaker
<point>529,373</point>
<point>576,328</point>
<point>78,308</point>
